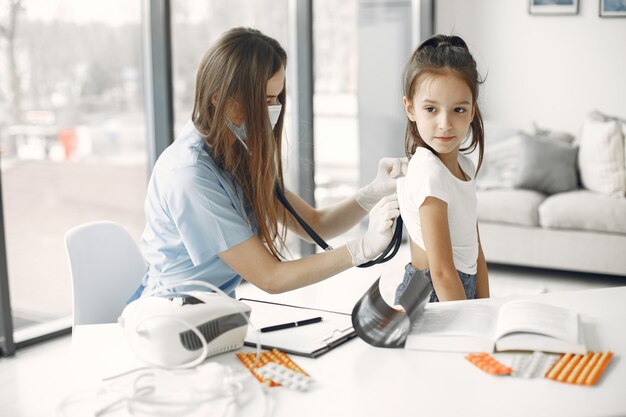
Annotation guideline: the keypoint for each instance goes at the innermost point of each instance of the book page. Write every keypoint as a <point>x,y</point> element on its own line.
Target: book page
<point>534,341</point>
<point>463,319</point>
<point>525,316</point>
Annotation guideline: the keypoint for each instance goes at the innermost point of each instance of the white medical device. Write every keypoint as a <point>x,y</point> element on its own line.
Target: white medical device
<point>183,329</point>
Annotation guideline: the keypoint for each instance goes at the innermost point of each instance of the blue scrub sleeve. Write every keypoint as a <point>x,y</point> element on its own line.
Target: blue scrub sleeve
<point>208,220</point>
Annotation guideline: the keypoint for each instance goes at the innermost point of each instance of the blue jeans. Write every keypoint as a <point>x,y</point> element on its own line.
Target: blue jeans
<point>468,281</point>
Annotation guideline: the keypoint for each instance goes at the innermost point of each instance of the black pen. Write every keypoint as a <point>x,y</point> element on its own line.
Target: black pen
<point>289,325</point>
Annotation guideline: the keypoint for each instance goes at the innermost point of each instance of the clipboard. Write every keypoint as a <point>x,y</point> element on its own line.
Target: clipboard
<point>310,341</point>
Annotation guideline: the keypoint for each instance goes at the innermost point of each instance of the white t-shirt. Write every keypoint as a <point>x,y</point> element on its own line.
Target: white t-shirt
<point>428,176</point>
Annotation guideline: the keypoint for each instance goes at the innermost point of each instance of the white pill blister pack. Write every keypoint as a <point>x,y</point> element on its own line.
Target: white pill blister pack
<point>284,376</point>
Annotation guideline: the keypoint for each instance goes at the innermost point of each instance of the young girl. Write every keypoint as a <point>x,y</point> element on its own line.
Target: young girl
<point>438,195</point>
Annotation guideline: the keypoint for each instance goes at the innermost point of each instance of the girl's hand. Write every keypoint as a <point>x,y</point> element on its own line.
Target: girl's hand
<point>389,170</point>
<point>379,231</point>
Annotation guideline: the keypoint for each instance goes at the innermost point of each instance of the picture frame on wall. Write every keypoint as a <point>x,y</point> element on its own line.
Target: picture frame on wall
<point>612,8</point>
<point>554,7</point>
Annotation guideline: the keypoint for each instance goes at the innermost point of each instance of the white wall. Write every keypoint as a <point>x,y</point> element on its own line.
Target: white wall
<point>548,69</point>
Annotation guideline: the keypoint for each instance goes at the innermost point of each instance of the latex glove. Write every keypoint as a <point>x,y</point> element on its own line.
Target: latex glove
<point>389,170</point>
<point>379,231</point>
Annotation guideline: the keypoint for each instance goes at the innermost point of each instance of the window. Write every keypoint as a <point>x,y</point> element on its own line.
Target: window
<point>197,23</point>
<point>335,101</point>
<point>72,140</point>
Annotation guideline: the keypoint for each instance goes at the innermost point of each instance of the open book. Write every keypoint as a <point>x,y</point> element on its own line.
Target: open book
<point>514,325</point>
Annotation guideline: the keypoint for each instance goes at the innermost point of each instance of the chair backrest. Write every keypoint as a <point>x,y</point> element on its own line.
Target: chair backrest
<point>106,267</point>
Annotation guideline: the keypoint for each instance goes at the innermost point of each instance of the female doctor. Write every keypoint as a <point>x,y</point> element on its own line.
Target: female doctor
<point>211,209</point>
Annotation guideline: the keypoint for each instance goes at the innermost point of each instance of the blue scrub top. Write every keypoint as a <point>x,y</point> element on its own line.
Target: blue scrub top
<point>194,211</point>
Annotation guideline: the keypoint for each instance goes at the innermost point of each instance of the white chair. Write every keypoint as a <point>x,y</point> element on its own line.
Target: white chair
<point>106,266</point>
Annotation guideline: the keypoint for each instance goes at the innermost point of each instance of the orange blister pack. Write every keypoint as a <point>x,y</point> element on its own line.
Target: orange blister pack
<point>249,360</point>
<point>580,369</point>
<point>487,363</point>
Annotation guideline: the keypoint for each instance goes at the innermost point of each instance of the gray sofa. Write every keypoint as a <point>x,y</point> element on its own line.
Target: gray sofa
<point>575,231</point>
<point>530,222</point>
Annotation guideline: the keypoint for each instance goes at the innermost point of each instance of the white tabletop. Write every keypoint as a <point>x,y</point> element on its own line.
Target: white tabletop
<point>356,379</point>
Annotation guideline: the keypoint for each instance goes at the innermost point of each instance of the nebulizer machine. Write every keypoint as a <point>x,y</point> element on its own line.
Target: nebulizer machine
<point>174,331</point>
<point>181,329</point>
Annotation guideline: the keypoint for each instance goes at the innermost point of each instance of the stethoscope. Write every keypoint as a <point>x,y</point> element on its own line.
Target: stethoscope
<point>389,252</point>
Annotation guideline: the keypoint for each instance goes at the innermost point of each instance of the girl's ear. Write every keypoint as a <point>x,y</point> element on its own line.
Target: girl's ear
<point>408,108</point>
<point>214,99</point>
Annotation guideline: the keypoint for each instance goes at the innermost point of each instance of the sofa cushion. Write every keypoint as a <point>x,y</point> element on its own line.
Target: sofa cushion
<point>544,162</point>
<point>601,156</point>
<point>584,210</point>
<point>501,162</point>
<point>509,206</point>
<point>554,135</point>
<point>547,165</point>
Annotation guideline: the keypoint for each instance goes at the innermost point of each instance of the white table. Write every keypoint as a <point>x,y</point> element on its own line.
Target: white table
<point>357,379</point>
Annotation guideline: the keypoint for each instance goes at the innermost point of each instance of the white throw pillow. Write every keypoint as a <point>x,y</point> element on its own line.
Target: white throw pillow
<point>601,157</point>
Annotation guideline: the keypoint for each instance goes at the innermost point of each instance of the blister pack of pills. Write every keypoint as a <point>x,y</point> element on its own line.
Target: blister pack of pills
<point>580,369</point>
<point>487,363</point>
<point>274,356</point>
<point>535,365</point>
<point>285,377</point>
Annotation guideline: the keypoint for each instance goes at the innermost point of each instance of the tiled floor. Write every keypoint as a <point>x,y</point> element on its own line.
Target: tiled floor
<point>34,381</point>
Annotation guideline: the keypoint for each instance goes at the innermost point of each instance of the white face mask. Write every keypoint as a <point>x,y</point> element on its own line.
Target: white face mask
<point>240,131</point>
<point>274,113</point>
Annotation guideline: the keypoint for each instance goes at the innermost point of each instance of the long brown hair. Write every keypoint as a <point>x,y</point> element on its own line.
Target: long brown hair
<point>236,68</point>
<point>438,55</point>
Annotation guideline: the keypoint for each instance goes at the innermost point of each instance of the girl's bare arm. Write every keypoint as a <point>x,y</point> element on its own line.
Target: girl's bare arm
<point>436,235</point>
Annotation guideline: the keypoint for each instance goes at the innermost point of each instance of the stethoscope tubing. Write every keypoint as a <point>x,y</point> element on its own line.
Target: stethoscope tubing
<point>390,251</point>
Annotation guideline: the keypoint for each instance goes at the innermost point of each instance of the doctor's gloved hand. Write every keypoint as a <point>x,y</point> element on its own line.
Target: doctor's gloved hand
<point>389,170</point>
<point>379,231</point>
